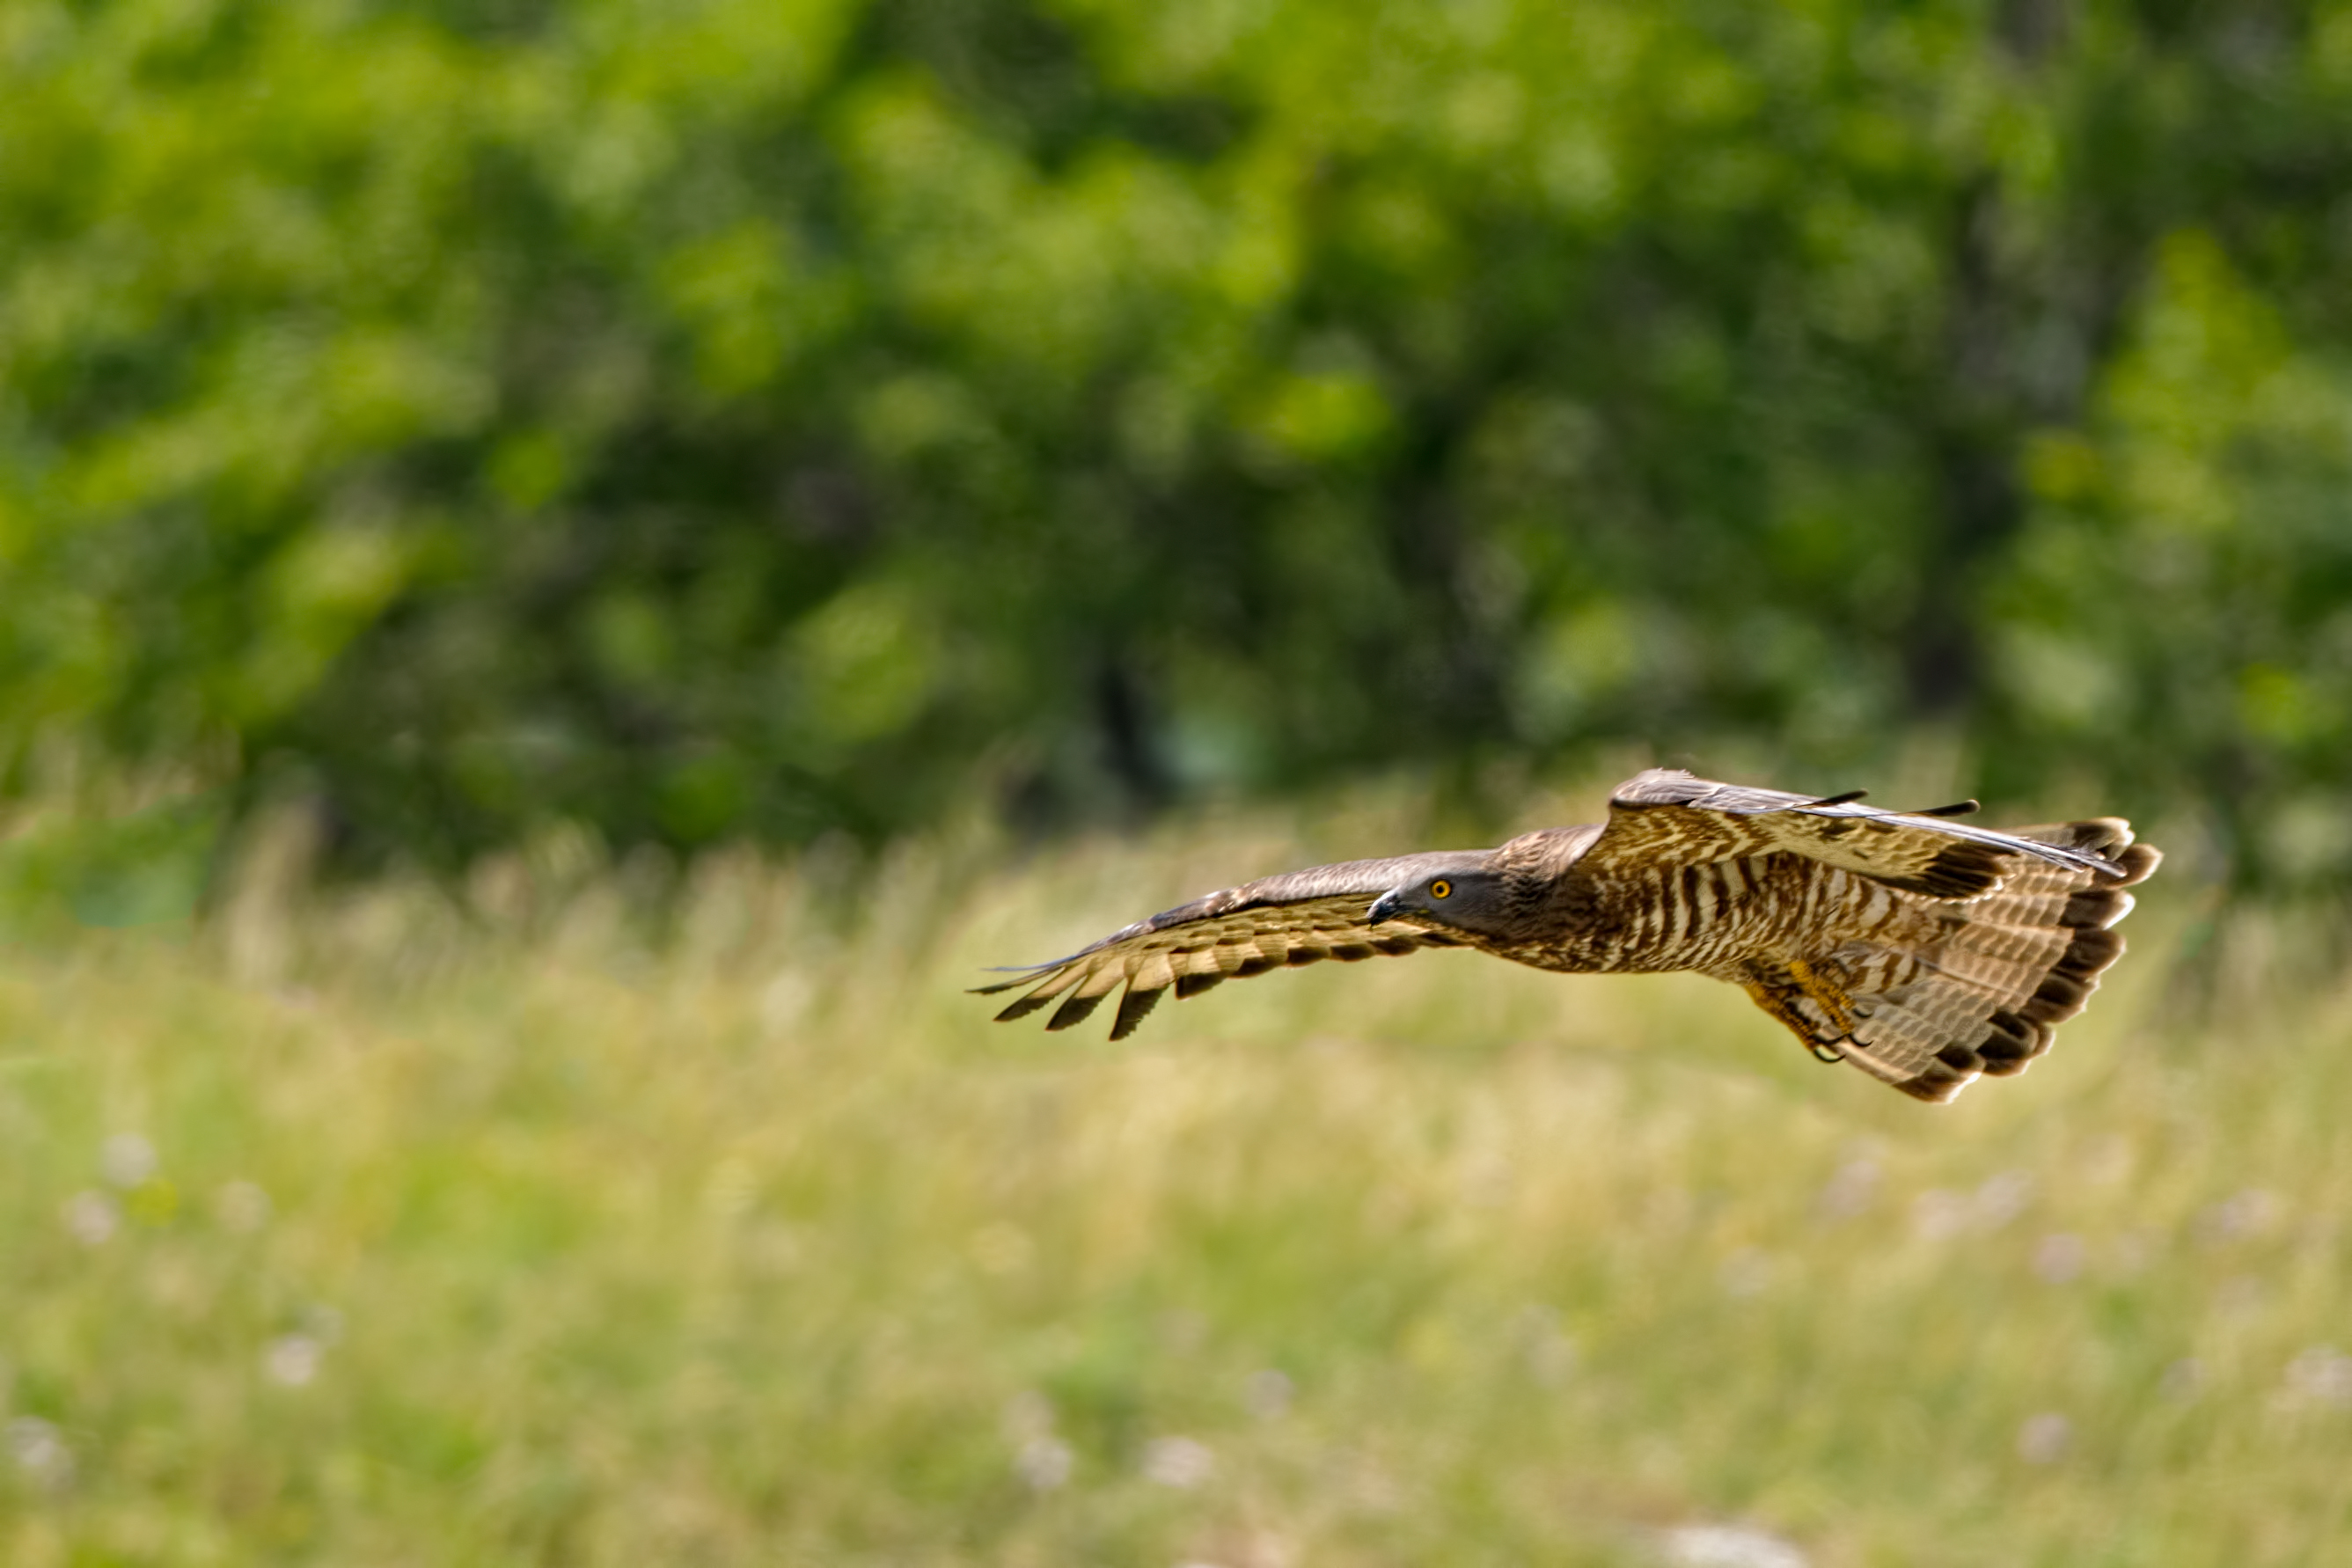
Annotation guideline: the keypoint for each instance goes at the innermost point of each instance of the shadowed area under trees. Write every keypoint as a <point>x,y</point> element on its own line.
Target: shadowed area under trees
<point>789,419</point>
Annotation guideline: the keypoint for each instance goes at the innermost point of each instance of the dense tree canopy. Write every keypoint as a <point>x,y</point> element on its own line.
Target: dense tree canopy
<point>708,416</point>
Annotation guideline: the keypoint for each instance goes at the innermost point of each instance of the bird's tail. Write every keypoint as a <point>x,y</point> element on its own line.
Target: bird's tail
<point>1973,986</point>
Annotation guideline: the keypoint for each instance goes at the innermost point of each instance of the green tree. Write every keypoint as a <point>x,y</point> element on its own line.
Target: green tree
<point>733,416</point>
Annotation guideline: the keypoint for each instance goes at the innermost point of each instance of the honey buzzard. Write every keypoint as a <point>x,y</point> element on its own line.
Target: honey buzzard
<point>1924,951</point>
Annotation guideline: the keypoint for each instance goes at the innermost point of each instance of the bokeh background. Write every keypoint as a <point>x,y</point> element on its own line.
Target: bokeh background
<point>567,571</point>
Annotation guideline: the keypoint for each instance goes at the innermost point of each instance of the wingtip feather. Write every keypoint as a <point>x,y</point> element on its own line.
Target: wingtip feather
<point>1075,1011</point>
<point>1132,1007</point>
<point>1023,1006</point>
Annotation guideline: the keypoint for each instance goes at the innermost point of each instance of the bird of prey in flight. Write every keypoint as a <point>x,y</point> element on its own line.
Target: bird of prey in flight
<point>1924,951</point>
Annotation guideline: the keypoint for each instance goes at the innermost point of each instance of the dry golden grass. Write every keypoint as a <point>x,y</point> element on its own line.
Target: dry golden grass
<point>386,1227</point>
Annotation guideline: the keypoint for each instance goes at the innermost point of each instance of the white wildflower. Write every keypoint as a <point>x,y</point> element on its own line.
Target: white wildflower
<point>40,1451</point>
<point>92,1218</point>
<point>1728,1546</point>
<point>1044,1463</point>
<point>241,1206</point>
<point>1747,1272</point>
<point>1177,1462</point>
<point>1268,1392</point>
<point>2059,1257</point>
<point>126,1160</point>
<point>2002,1198</point>
<point>1938,1212</point>
<point>1849,1191</point>
<point>2044,1438</point>
<point>2321,1376</point>
<point>293,1360</point>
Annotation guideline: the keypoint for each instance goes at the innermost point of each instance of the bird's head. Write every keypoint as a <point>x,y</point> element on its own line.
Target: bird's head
<point>1468,898</point>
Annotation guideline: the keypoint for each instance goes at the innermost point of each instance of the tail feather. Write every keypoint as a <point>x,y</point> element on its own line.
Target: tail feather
<point>1977,987</point>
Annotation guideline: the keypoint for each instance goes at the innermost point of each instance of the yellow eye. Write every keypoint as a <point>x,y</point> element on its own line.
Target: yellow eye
<point>1441,888</point>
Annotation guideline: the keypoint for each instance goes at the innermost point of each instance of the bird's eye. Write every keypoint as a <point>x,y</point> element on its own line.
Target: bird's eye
<point>1441,888</point>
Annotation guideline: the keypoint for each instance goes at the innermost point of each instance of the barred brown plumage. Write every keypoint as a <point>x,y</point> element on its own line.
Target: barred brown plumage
<point>1924,951</point>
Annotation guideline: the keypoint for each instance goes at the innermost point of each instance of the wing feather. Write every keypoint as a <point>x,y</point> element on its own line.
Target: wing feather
<point>1666,818</point>
<point>1946,992</point>
<point>1302,917</point>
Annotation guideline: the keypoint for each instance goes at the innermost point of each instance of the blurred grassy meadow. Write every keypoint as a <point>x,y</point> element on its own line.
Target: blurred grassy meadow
<point>509,1223</point>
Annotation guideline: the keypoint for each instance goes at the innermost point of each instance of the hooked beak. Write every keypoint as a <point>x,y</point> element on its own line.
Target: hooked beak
<point>1388,906</point>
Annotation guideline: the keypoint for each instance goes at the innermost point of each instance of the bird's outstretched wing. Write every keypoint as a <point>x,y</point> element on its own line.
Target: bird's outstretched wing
<point>1276,921</point>
<point>1666,818</point>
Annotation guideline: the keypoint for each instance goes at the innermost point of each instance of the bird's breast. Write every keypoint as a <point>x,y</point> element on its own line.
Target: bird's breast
<point>1665,919</point>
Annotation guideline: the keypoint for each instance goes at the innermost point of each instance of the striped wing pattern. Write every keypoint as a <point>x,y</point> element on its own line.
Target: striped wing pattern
<point>1929,995</point>
<point>1667,817</point>
<point>1275,922</point>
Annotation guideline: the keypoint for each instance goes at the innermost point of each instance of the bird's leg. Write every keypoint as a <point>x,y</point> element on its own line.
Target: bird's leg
<point>1825,994</point>
<point>1782,1005</point>
<point>1832,1009</point>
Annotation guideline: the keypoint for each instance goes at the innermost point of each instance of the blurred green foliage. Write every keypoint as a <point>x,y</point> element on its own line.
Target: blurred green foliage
<point>721,415</point>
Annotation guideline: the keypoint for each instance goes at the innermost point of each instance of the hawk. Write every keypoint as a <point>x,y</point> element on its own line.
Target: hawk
<point>1924,951</point>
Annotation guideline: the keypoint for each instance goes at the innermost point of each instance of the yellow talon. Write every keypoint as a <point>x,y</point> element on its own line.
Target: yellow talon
<point>1834,1003</point>
<point>1780,1003</point>
<point>1774,1003</point>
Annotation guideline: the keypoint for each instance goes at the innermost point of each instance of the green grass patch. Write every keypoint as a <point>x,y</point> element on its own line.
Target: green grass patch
<point>385,1227</point>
